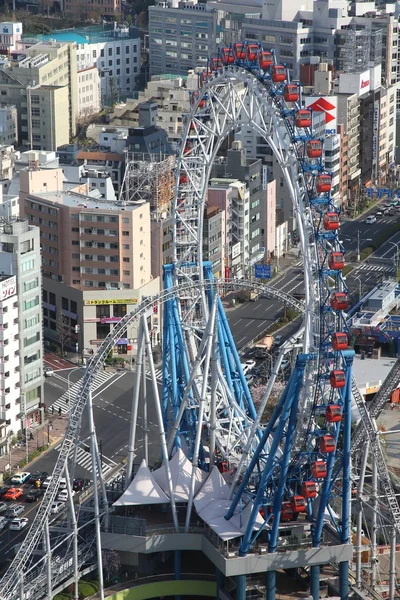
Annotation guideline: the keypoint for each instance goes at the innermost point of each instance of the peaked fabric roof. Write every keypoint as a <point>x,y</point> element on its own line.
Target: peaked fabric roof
<point>181,473</point>
<point>143,489</point>
<point>212,504</point>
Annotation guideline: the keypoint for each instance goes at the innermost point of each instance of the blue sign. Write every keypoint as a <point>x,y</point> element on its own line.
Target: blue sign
<point>262,271</point>
<point>380,192</point>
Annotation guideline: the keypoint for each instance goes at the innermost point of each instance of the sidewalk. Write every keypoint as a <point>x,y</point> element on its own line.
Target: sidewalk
<point>54,430</point>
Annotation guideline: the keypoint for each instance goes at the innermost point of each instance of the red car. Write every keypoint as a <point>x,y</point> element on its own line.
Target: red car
<point>13,494</point>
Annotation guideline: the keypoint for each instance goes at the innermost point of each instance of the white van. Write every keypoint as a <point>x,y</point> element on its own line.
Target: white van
<point>371,219</point>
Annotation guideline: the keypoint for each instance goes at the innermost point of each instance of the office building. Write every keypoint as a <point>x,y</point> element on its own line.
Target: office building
<point>214,239</point>
<point>182,36</point>
<point>42,85</point>
<point>20,257</point>
<point>89,100</point>
<point>92,9</point>
<point>95,254</point>
<point>113,49</point>
<point>8,126</point>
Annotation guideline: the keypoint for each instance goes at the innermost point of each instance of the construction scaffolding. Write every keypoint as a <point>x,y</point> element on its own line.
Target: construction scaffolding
<point>151,178</point>
<point>356,48</point>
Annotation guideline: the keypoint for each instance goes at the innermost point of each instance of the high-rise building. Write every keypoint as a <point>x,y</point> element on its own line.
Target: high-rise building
<point>214,239</point>
<point>20,257</point>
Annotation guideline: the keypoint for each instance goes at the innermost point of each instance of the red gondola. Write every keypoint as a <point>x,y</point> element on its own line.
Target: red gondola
<point>278,73</point>
<point>318,469</point>
<point>298,504</point>
<point>314,148</point>
<point>337,379</point>
<point>333,413</point>
<point>188,149</point>
<point>227,56</point>
<point>239,51</point>
<point>331,221</point>
<point>339,301</point>
<point>336,261</point>
<point>327,444</point>
<point>202,103</point>
<point>303,118</point>
<point>265,60</point>
<point>309,489</point>
<point>183,179</point>
<point>223,466</point>
<point>291,92</point>
<point>287,512</point>
<point>340,341</point>
<point>252,50</point>
<point>323,184</point>
<point>216,63</point>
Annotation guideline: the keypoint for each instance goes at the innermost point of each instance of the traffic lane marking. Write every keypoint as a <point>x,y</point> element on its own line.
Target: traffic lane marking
<point>18,533</point>
<point>109,385</point>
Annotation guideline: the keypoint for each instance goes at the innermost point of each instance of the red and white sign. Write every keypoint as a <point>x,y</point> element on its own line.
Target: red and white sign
<point>355,83</point>
<point>8,288</point>
<point>327,105</point>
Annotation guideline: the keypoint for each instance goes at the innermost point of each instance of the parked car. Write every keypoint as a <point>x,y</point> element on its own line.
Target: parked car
<point>3,522</point>
<point>278,340</point>
<point>379,214</point>
<point>3,507</point>
<point>63,495</point>
<point>48,372</point>
<point>20,478</point>
<point>14,511</point>
<point>3,490</point>
<point>34,495</point>
<point>46,482</point>
<point>370,219</point>
<point>63,484</point>
<point>56,507</point>
<point>13,494</point>
<point>18,524</point>
<point>248,365</point>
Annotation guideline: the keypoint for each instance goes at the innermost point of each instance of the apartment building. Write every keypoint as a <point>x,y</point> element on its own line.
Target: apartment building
<point>94,253</point>
<point>89,100</point>
<point>20,258</point>
<point>113,49</point>
<point>42,85</point>
<point>182,36</point>
<point>99,163</point>
<point>249,171</point>
<point>8,125</point>
<point>10,35</point>
<point>10,382</point>
<point>93,8</point>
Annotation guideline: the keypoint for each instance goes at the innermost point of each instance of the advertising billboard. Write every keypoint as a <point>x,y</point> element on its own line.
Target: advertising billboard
<point>327,105</point>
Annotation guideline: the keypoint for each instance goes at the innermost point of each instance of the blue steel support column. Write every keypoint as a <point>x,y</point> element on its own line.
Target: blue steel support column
<point>314,582</point>
<point>166,343</point>
<point>177,568</point>
<point>292,397</point>
<point>270,585</point>
<point>240,587</point>
<point>346,488</point>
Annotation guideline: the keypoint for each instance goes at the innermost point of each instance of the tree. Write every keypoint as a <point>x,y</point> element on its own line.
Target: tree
<point>257,393</point>
<point>111,563</point>
<point>63,331</point>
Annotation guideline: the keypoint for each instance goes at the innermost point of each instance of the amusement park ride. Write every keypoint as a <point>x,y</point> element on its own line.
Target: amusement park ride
<point>305,463</point>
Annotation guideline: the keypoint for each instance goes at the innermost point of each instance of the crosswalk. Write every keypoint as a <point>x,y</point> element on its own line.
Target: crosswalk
<point>158,374</point>
<point>84,459</point>
<point>63,401</point>
<point>376,268</point>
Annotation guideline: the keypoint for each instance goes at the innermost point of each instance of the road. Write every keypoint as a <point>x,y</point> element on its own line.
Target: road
<point>249,319</point>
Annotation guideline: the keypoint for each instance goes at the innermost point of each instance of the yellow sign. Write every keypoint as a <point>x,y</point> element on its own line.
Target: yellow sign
<point>113,301</point>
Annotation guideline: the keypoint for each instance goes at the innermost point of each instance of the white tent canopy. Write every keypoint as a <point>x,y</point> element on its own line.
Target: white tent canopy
<point>212,504</point>
<point>143,489</point>
<point>181,473</point>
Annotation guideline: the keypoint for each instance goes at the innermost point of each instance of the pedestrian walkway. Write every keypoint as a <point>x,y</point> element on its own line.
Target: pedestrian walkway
<point>84,459</point>
<point>158,374</point>
<point>377,268</point>
<point>63,401</point>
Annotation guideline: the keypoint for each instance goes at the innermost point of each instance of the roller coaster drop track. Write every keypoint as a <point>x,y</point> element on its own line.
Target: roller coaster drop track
<point>299,462</point>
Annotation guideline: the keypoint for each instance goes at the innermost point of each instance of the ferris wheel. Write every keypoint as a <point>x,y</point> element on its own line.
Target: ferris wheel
<point>297,463</point>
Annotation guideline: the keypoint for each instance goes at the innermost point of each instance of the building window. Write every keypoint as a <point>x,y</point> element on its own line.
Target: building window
<point>125,233</point>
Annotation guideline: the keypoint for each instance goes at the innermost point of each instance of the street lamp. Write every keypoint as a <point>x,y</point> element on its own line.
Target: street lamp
<point>69,375</point>
<point>359,289</point>
<point>396,258</point>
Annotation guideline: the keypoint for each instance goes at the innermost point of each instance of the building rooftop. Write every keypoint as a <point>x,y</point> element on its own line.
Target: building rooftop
<point>370,373</point>
<point>86,155</point>
<point>75,200</point>
<point>88,35</point>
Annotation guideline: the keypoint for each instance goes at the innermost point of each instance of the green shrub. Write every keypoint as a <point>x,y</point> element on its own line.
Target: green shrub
<point>291,314</point>
<point>86,589</point>
<point>284,320</point>
<point>346,269</point>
